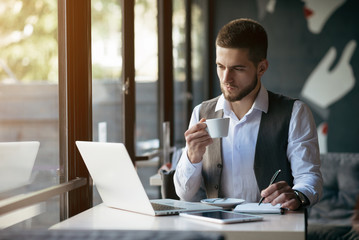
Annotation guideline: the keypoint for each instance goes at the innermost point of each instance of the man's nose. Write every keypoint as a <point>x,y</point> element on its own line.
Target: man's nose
<point>226,76</point>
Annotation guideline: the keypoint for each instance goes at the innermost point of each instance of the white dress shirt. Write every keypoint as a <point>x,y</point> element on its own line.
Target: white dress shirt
<point>238,150</point>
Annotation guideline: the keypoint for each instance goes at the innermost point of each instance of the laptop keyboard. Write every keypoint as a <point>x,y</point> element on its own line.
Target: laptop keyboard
<point>161,207</point>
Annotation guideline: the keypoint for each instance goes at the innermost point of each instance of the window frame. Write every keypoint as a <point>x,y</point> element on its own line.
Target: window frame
<point>165,68</point>
<point>75,100</point>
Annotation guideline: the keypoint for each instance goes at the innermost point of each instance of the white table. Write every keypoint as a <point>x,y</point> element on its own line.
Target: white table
<point>156,180</point>
<point>274,226</point>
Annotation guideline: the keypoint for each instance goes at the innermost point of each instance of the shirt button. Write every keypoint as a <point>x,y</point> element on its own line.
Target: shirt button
<point>216,186</point>
<point>219,165</point>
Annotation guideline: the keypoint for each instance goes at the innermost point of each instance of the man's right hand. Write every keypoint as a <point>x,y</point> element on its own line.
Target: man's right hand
<point>197,139</point>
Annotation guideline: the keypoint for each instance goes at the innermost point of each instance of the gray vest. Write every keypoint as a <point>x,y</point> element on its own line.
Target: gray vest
<point>271,147</point>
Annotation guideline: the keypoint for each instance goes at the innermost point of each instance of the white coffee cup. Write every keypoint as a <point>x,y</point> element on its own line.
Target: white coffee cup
<point>217,127</point>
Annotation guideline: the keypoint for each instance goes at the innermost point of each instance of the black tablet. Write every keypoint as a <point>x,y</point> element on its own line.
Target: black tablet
<point>221,216</point>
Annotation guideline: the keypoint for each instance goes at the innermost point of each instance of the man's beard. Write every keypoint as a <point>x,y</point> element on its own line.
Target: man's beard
<point>243,93</point>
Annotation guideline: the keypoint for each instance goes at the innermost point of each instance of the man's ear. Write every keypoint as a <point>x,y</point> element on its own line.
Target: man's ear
<point>262,67</point>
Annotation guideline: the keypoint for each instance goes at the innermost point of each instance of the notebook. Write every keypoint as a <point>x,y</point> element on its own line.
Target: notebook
<point>255,208</point>
<point>16,162</point>
<point>119,186</point>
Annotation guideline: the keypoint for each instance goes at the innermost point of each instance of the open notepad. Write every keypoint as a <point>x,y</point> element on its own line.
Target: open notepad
<point>255,208</point>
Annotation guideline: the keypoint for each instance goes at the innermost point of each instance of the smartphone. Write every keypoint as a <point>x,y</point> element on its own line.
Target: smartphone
<point>221,216</point>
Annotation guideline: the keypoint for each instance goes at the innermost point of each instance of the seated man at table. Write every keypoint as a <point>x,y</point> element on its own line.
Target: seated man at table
<point>267,132</point>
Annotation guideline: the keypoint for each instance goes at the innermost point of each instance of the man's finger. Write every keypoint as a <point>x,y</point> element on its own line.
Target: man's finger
<point>198,127</point>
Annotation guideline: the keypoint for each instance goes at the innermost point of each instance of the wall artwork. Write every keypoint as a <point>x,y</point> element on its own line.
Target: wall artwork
<point>314,56</point>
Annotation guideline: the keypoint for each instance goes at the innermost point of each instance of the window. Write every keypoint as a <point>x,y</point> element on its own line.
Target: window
<point>146,76</point>
<point>107,70</point>
<point>199,53</point>
<point>69,71</point>
<point>179,71</point>
<point>191,60</point>
<point>29,98</point>
<point>107,93</point>
<point>147,108</point>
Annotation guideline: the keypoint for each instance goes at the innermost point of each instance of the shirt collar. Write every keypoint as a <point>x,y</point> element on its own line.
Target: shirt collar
<point>260,103</point>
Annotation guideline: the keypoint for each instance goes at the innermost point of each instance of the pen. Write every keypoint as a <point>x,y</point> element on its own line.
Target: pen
<point>271,182</point>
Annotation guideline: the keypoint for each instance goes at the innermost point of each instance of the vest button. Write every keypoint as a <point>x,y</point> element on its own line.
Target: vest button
<point>219,165</point>
<point>216,186</point>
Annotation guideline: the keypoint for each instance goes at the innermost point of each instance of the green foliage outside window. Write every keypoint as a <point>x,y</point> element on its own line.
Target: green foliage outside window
<point>28,41</point>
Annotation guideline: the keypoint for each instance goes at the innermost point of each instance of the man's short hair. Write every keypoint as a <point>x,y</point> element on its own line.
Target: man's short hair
<point>244,33</point>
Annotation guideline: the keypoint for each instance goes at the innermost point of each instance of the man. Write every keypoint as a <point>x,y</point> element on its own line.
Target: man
<point>267,132</point>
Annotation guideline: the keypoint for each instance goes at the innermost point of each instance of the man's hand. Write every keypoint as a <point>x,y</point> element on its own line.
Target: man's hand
<point>197,139</point>
<point>281,193</point>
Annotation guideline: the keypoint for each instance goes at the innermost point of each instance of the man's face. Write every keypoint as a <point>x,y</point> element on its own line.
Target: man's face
<point>237,74</point>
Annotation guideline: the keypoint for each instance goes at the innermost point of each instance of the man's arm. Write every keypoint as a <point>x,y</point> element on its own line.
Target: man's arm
<point>188,175</point>
<point>187,179</point>
<point>303,154</point>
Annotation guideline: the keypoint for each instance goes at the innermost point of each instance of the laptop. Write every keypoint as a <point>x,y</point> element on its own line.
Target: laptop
<point>119,186</point>
<point>16,162</point>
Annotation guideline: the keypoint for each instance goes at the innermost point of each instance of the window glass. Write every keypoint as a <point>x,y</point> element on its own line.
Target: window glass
<point>179,71</point>
<point>146,78</point>
<point>29,104</point>
<point>199,52</point>
<point>107,98</point>
<point>146,75</point>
